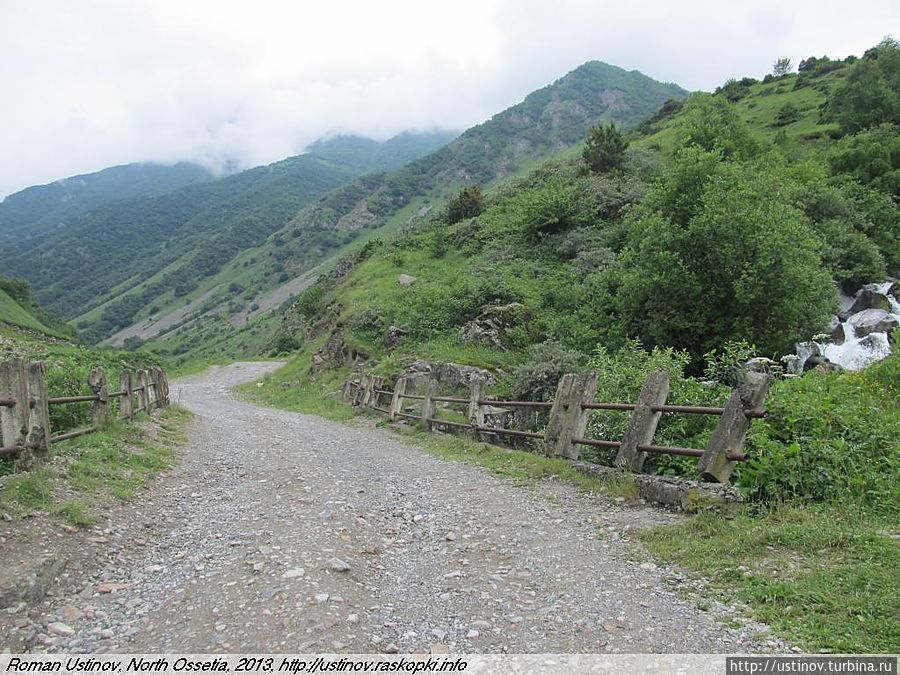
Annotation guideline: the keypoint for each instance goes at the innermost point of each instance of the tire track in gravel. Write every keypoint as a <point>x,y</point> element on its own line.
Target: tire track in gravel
<point>242,548</point>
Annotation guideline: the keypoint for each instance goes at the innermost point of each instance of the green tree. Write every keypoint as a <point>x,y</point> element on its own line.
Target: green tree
<point>787,114</point>
<point>604,149</point>
<point>872,157</point>
<point>871,93</point>
<point>782,67</point>
<point>467,203</point>
<point>712,124</point>
<point>746,266</point>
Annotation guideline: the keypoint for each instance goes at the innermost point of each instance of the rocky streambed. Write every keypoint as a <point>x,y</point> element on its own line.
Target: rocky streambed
<point>860,334</point>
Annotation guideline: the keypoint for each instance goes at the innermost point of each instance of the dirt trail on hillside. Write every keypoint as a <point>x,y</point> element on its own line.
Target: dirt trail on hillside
<point>282,532</point>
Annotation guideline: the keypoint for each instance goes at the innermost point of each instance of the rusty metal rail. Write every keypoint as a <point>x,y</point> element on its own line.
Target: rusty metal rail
<point>516,404</point>
<point>595,443</point>
<point>72,399</point>
<point>408,416</point>
<point>384,410</point>
<point>654,449</point>
<point>72,434</point>
<point>7,402</point>
<point>449,399</point>
<point>9,450</point>
<point>685,409</point>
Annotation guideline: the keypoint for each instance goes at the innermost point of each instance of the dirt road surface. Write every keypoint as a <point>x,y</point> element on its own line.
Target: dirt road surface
<point>282,532</point>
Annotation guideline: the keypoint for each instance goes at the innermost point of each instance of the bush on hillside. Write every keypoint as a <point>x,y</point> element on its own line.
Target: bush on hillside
<point>467,203</point>
<point>744,265</point>
<point>538,378</point>
<point>604,149</point>
<point>870,95</point>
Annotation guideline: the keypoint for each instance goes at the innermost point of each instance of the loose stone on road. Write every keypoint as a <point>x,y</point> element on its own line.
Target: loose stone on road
<point>282,532</point>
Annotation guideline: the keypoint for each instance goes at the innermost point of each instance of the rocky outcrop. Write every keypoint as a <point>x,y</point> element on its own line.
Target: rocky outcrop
<point>335,353</point>
<point>406,280</point>
<point>394,336</point>
<point>492,325</point>
<point>452,375</point>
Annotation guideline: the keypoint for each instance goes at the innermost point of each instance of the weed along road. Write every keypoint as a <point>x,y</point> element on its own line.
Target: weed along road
<point>282,532</point>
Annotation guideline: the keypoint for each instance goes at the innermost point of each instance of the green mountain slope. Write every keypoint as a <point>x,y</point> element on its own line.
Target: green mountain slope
<point>130,256</point>
<point>42,208</point>
<point>17,309</point>
<point>549,121</point>
<point>13,313</point>
<point>728,220</point>
<point>368,156</point>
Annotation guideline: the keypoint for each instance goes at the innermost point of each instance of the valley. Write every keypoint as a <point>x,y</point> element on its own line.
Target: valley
<point>609,227</point>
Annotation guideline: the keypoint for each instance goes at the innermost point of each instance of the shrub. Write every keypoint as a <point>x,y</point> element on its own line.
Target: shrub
<point>537,378</point>
<point>621,376</point>
<point>787,114</point>
<point>604,149</point>
<point>468,203</point>
<point>829,437</point>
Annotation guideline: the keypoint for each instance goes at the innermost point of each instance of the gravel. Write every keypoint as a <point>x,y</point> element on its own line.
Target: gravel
<point>282,532</point>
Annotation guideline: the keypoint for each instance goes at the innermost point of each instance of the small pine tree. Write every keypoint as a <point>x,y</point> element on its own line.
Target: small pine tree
<point>604,149</point>
<point>468,203</point>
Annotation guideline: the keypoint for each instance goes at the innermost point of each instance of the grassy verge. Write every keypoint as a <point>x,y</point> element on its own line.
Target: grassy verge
<point>822,577</point>
<point>86,474</point>
<point>292,388</point>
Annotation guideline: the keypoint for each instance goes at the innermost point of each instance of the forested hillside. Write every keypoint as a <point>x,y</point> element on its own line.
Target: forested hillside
<point>147,252</point>
<point>44,208</point>
<point>549,121</point>
<point>723,221</point>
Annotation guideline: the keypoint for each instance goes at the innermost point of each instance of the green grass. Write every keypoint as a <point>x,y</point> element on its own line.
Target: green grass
<point>292,388</point>
<point>825,578</point>
<point>84,474</point>
<point>12,312</point>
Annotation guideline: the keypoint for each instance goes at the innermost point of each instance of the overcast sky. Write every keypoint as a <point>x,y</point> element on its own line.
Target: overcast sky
<point>91,83</point>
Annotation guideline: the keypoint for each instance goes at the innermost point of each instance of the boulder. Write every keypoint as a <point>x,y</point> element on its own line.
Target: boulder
<point>335,353</point>
<point>869,298</point>
<point>406,280</point>
<point>454,375</point>
<point>835,331</point>
<point>873,321</point>
<point>394,336</point>
<point>820,363</point>
<point>491,325</point>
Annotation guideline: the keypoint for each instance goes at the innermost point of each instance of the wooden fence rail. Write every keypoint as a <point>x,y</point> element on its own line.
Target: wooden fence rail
<point>25,430</point>
<point>569,413</point>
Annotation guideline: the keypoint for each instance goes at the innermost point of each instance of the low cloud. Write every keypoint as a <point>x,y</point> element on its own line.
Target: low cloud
<point>97,83</point>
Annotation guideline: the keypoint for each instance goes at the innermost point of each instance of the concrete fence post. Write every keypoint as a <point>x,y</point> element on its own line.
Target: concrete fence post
<point>126,400</point>
<point>365,391</point>
<point>39,414</point>
<point>428,402</point>
<point>568,419</point>
<point>476,409</point>
<point>100,407</point>
<point>731,432</point>
<point>164,383</point>
<point>643,421</point>
<point>14,419</point>
<point>397,398</point>
<point>377,383</point>
<point>144,393</point>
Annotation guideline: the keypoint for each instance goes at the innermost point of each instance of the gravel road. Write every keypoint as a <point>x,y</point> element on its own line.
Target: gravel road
<point>282,532</point>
